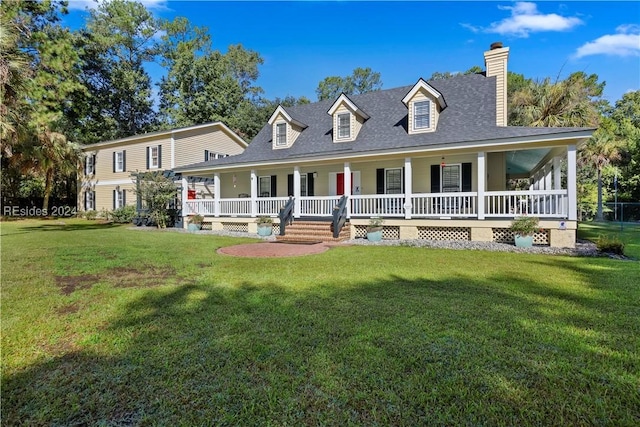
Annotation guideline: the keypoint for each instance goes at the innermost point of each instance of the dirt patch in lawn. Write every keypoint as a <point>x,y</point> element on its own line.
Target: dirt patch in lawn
<point>144,276</point>
<point>68,309</point>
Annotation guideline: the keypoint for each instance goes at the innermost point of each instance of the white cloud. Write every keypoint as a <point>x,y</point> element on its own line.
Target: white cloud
<point>525,19</point>
<point>92,4</point>
<point>625,42</point>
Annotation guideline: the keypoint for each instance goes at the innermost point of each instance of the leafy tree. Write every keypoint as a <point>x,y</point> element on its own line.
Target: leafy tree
<point>361,80</point>
<point>158,193</point>
<point>119,38</point>
<point>438,75</point>
<point>203,84</point>
<point>626,116</point>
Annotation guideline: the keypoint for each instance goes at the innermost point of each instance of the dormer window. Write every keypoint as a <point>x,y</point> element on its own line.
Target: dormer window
<point>344,125</point>
<point>424,103</point>
<point>347,119</point>
<point>421,114</point>
<point>286,128</point>
<point>281,134</point>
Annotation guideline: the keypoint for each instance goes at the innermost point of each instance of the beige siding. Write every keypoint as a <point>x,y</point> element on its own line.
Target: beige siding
<point>190,146</point>
<point>496,65</point>
<point>356,123</point>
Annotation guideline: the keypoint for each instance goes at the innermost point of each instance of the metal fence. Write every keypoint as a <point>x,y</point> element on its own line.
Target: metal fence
<point>622,212</point>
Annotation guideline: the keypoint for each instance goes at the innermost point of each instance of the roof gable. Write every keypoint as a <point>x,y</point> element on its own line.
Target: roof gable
<point>281,111</point>
<point>424,86</point>
<point>344,99</point>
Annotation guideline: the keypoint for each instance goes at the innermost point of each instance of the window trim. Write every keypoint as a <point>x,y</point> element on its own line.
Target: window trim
<point>442,168</point>
<point>119,199</point>
<point>90,200</point>
<point>277,136</point>
<point>386,188</point>
<point>341,127</point>
<point>260,178</point>
<point>90,166</point>
<point>119,161</point>
<point>151,164</point>
<point>417,104</point>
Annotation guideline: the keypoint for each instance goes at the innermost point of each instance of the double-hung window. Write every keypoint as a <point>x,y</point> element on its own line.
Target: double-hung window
<point>421,115</point>
<point>90,165</point>
<point>344,126</point>
<point>118,198</point>
<point>154,157</point>
<point>281,134</point>
<point>264,186</point>
<point>451,181</point>
<point>393,181</point>
<point>89,200</point>
<point>118,161</point>
<point>303,185</point>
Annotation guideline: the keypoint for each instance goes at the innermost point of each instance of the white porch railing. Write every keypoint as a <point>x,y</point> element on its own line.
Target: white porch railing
<point>271,205</point>
<point>498,204</point>
<point>540,203</point>
<point>388,205</point>
<point>444,205</point>
<point>235,207</point>
<point>318,206</point>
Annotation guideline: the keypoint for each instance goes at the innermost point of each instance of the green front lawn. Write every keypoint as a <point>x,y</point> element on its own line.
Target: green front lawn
<point>110,326</point>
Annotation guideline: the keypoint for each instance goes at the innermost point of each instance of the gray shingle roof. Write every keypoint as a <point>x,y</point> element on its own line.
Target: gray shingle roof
<point>469,116</point>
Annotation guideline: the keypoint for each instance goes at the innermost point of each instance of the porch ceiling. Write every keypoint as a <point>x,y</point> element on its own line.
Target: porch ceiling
<point>523,161</point>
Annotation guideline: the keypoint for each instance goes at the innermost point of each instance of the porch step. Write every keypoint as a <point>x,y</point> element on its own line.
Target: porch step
<point>313,231</point>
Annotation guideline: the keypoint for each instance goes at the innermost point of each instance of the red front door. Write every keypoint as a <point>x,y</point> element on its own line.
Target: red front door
<point>340,184</point>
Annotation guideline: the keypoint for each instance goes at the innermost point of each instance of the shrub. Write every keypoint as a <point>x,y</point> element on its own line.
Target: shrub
<point>196,219</point>
<point>610,244</point>
<point>123,215</point>
<point>91,215</point>
<point>375,222</point>
<point>264,220</point>
<point>525,225</point>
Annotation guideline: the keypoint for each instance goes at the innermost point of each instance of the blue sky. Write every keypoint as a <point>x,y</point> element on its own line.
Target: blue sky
<point>304,42</point>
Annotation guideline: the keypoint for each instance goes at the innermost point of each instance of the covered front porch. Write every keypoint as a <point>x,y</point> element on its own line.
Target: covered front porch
<point>442,187</point>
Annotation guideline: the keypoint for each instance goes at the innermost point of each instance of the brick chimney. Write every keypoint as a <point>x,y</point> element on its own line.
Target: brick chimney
<point>495,63</point>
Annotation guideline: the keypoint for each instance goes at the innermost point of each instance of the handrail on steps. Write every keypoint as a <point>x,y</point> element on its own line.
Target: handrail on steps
<point>286,215</point>
<point>339,216</point>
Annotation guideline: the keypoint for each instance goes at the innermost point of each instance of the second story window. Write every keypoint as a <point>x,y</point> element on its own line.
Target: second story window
<point>421,115</point>
<point>344,125</point>
<point>90,165</point>
<point>154,157</point>
<point>119,161</point>
<point>281,134</point>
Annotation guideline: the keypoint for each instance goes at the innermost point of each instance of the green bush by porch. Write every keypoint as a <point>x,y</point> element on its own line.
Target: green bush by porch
<point>102,324</point>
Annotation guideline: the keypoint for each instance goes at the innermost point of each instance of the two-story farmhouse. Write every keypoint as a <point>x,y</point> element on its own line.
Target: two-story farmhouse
<point>107,183</point>
<point>435,159</point>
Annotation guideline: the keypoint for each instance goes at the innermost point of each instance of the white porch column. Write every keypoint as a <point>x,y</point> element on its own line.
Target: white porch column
<point>254,193</point>
<point>347,186</point>
<point>216,194</point>
<point>572,177</point>
<point>296,192</point>
<point>185,195</point>
<point>408,188</point>
<point>547,176</point>
<point>482,173</point>
<point>557,173</point>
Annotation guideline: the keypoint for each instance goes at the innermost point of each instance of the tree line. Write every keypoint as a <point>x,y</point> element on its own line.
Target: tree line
<point>62,88</point>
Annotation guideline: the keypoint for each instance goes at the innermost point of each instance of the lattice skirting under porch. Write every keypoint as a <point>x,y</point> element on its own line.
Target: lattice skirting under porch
<point>444,233</point>
<point>238,227</point>
<point>505,235</point>
<point>388,232</point>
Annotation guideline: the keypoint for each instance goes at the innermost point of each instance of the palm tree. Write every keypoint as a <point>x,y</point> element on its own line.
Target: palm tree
<point>49,154</point>
<point>565,103</point>
<point>599,151</point>
<point>14,72</point>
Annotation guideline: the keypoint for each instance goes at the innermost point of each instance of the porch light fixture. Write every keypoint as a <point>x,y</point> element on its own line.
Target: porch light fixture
<point>315,175</point>
<point>442,164</point>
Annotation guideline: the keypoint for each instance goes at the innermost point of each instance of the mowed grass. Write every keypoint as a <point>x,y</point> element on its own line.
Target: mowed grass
<point>103,325</point>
